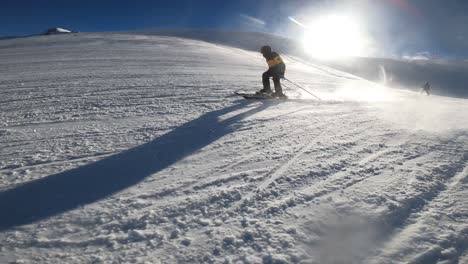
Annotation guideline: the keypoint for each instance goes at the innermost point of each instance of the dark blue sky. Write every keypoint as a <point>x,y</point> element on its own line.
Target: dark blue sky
<point>401,26</point>
<point>19,17</point>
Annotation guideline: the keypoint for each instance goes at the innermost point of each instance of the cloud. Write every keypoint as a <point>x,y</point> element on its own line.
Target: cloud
<point>425,55</point>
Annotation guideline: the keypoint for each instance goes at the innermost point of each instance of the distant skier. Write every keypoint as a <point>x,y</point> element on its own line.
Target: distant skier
<point>276,69</point>
<point>426,88</point>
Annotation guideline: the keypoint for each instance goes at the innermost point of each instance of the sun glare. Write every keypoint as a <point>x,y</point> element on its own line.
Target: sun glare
<point>334,36</point>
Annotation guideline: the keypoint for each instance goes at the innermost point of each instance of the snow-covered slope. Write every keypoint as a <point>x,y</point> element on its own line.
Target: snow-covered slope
<point>130,148</point>
<point>447,78</point>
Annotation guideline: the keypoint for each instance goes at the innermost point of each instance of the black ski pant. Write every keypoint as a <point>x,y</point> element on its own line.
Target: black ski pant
<point>276,72</point>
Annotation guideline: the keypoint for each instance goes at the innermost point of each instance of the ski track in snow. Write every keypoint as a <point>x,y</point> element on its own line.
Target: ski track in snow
<point>368,175</point>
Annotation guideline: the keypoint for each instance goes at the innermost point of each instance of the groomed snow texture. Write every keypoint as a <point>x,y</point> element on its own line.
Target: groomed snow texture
<point>132,148</point>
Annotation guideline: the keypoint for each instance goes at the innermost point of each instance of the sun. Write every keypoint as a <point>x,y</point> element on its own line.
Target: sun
<point>334,36</point>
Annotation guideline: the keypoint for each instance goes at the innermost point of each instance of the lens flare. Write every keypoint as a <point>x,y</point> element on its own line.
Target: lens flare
<point>334,36</point>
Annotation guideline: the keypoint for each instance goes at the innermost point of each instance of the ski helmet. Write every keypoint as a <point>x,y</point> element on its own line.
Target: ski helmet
<point>265,49</point>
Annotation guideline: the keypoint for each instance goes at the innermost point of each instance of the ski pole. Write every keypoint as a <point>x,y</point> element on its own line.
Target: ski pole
<point>302,88</point>
<point>289,88</point>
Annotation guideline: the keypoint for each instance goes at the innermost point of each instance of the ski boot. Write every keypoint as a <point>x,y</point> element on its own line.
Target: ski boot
<point>279,95</point>
<point>264,91</point>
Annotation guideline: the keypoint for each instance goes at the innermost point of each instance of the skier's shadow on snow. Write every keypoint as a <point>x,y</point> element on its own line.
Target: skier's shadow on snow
<point>67,190</point>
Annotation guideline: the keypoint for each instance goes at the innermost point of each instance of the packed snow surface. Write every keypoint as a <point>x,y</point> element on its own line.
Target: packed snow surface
<point>131,148</point>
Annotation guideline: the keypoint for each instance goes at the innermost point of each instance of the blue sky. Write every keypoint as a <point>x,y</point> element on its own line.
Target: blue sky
<point>32,16</point>
<point>398,26</point>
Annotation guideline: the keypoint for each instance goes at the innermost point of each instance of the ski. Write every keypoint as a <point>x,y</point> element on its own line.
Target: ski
<point>258,96</point>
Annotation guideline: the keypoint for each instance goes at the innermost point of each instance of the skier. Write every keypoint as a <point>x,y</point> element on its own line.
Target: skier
<point>276,69</point>
<point>426,88</point>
